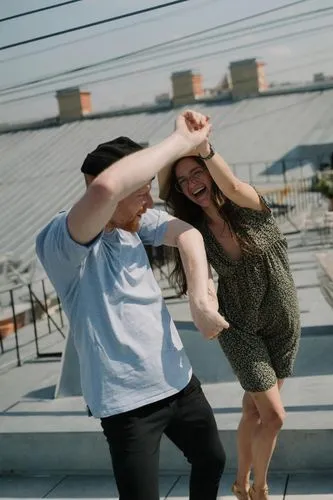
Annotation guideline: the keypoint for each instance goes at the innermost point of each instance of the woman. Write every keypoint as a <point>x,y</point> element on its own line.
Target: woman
<point>256,294</point>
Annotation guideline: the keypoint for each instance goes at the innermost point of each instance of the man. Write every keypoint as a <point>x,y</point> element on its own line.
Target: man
<point>135,375</point>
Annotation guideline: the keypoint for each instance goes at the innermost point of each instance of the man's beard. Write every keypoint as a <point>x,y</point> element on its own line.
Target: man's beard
<point>133,225</point>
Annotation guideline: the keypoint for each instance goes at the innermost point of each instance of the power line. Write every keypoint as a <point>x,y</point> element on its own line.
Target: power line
<point>295,67</point>
<point>98,35</point>
<point>153,48</point>
<point>45,93</point>
<point>96,23</point>
<point>242,19</point>
<point>181,61</point>
<point>29,12</point>
<point>304,65</point>
<point>210,54</point>
<point>173,63</point>
<point>267,25</point>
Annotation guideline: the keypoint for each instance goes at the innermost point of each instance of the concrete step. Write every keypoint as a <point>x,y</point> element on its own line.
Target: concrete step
<point>63,438</point>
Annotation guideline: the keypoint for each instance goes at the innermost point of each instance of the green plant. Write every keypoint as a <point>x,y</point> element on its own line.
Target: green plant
<point>324,185</point>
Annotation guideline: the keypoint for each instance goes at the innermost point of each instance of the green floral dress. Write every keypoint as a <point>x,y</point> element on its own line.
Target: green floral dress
<point>257,296</point>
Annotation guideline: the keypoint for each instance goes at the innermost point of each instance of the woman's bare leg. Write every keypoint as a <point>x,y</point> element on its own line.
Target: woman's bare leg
<point>247,426</point>
<point>272,414</point>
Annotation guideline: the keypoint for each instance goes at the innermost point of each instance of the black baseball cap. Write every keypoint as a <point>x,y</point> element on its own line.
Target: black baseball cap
<point>108,153</point>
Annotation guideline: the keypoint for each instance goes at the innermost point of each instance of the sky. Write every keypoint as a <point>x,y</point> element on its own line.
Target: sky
<point>292,51</point>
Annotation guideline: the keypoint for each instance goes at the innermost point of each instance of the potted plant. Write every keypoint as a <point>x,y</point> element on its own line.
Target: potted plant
<point>324,185</point>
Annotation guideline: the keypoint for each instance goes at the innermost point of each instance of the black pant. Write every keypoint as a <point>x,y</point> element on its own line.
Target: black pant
<point>134,440</point>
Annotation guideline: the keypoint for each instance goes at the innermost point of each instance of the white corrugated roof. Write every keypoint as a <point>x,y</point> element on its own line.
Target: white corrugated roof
<point>40,169</point>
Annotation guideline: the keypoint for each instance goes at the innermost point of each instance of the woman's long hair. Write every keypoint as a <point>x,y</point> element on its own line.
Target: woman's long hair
<point>183,208</point>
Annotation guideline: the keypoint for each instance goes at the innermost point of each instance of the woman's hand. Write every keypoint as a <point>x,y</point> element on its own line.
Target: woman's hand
<point>194,121</point>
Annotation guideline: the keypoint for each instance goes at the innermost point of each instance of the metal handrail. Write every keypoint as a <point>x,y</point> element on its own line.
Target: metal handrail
<point>34,300</point>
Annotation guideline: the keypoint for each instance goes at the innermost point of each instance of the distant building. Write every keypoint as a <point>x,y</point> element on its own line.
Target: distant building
<point>73,103</point>
<point>223,86</point>
<point>187,86</point>
<point>321,77</point>
<point>247,78</point>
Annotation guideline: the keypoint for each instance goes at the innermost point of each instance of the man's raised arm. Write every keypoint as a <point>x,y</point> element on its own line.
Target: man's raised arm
<point>93,211</point>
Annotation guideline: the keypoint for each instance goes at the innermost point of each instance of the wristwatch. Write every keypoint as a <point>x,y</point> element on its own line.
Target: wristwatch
<point>210,154</point>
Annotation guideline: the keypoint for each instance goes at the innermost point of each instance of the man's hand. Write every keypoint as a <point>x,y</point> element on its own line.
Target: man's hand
<point>193,127</point>
<point>207,319</point>
<point>195,121</point>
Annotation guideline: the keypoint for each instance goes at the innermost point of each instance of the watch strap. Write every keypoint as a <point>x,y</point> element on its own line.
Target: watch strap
<point>210,154</point>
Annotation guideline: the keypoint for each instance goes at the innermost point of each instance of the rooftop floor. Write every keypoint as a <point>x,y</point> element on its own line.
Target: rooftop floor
<point>26,405</point>
<point>174,487</point>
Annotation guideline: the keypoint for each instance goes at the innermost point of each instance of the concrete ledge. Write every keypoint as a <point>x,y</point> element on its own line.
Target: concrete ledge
<point>41,434</point>
<point>82,452</point>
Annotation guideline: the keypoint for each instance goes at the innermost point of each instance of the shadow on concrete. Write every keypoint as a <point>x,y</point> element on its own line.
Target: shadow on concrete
<point>289,409</point>
<point>306,267</point>
<point>307,287</point>
<point>207,358</point>
<point>42,393</point>
<point>316,485</point>
<point>302,263</point>
<point>315,246</point>
<point>25,413</point>
<point>211,366</point>
<point>315,352</point>
<point>39,361</point>
<point>317,331</point>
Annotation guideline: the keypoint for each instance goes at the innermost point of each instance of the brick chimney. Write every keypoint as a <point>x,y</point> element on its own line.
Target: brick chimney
<point>73,103</point>
<point>247,77</point>
<point>186,86</point>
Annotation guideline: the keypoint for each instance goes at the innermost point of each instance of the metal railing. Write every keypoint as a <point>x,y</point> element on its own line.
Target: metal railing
<point>17,314</point>
<point>272,172</point>
<point>291,198</point>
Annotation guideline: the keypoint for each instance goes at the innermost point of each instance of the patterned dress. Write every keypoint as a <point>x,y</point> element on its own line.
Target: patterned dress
<point>257,296</point>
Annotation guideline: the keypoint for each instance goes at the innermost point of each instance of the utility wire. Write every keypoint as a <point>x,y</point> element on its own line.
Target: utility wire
<point>103,33</point>
<point>128,57</point>
<point>96,23</point>
<point>29,12</point>
<point>210,54</point>
<point>172,64</point>
<point>158,47</point>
